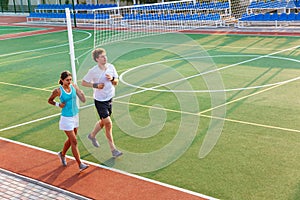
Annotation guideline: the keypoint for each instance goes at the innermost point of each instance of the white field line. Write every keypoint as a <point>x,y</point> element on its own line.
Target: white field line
<point>253,124</point>
<point>244,97</point>
<point>213,117</point>
<point>23,86</point>
<point>51,47</point>
<point>29,122</point>
<point>36,120</point>
<point>209,46</point>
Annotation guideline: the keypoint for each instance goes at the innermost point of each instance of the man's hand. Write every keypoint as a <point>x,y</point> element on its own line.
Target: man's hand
<point>109,77</point>
<point>98,85</point>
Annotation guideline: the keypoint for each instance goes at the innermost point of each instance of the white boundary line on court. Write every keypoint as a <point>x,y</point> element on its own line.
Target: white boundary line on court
<point>250,95</point>
<point>117,171</point>
<point>23,86</point>
<point>29,122</point>
<point>214,117</point>
<point>51,47</point>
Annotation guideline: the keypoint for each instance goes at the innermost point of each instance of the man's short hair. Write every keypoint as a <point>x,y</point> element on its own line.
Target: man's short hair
<point>97,52</point>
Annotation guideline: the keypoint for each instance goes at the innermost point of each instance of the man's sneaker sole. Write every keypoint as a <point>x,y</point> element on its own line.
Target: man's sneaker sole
<point>83,167</point>
<point>116,153</point>
<point>94,141</point>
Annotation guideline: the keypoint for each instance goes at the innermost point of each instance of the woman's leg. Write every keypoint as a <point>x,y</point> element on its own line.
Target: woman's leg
<point>66,147</point>
<point>73,143</point>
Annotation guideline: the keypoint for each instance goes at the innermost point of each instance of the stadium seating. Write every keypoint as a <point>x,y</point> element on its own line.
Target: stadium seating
<point>271,17</point>
<point>47,12</point>
<point>271,5</point>
<point>272,12</point>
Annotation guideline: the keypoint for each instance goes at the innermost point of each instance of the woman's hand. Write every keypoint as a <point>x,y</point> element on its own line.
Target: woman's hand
<point>80,94</point>
<point>62,105</point>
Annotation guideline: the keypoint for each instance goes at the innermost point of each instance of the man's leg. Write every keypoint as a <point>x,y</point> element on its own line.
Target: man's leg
<point>92,136</point>
<point>98,126</point>
<point>108,132</point>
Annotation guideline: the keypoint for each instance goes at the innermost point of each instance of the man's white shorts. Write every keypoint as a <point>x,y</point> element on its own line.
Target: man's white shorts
<point>68,123</point>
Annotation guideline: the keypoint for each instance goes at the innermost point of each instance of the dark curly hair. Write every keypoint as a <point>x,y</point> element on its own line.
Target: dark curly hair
<point>64,75</point>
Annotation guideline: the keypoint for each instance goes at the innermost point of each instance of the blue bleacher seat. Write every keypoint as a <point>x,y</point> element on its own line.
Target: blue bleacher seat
<point>204,5</point>
<point>274,17</point>
<point>291,17</point>
<point>202,17</point>
<point>195,16</point>
<point>244,17</point>
<point>167,17</point>
<point>102,16</point>
<point>197,5</point>
<point>131,16</point>
<point>219,5</point>
<point>266,17</point>
<point>137,16</point>
<point>143,16</point>
<point>260,4</point>
<point>209,16</point>
<point>161,16</point>
<point>155,16</point>
<point>282,4</point>
<point>188,16</point>
<point>226,5</point>
<point>181,16</point>
<point>282,17</point>
<point>184,5</point>
<point>253,4</point>
<point>150,16</point>
<point>211,5</point>
<point>259,17</point>
<point>191,6</point>
<point>126,16</point>
<point>80,16</point>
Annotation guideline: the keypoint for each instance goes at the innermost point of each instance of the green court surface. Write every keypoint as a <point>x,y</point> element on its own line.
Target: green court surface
<point>218,113</point>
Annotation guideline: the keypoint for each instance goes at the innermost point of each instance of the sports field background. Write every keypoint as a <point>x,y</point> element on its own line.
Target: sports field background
<point>257,154</point>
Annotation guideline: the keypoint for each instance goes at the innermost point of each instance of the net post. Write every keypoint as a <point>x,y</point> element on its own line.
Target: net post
<point>71,48</point>
<point>71,45</point>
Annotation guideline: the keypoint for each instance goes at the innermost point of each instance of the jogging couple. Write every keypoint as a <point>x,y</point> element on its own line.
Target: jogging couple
<point>103,78</point>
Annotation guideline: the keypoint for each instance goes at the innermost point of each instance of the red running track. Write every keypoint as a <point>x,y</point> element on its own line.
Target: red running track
<point>96,182</point>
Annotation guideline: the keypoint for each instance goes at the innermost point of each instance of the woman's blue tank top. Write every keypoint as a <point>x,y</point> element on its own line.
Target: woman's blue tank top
<point>70,100</point>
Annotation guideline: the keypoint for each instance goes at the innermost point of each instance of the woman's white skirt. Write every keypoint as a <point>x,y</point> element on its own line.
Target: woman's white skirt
<point>68,123</point>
